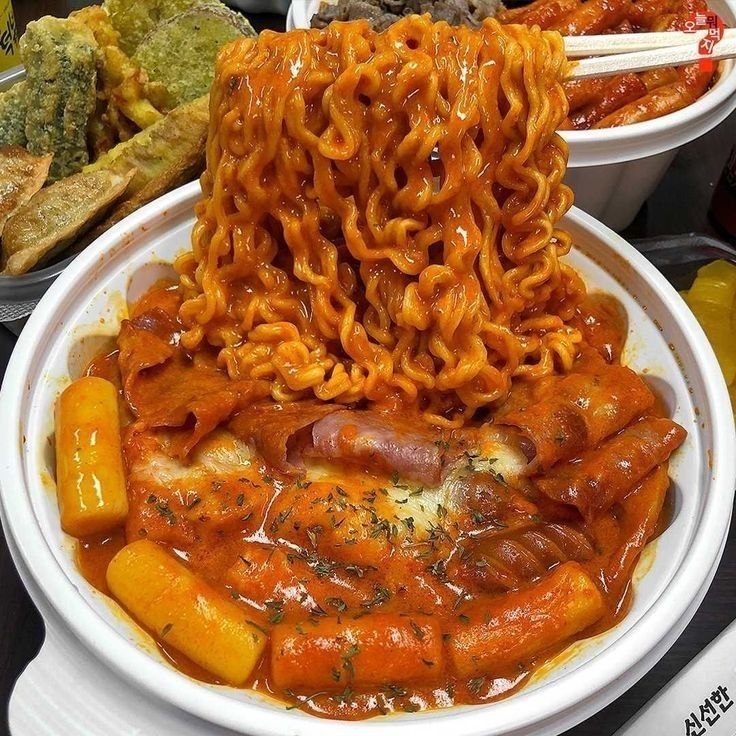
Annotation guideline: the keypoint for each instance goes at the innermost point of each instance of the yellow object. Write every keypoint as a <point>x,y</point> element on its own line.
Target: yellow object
<point>715,284</point>
<point>89,466</point>
<point>8,37</point>
<point>184,611</point>
<point>712,298</point>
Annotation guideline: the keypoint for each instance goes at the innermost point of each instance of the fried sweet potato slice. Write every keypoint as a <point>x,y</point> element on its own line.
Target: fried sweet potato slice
<point>171,142</point>
<point>54,217</point>
<point>21,175</point>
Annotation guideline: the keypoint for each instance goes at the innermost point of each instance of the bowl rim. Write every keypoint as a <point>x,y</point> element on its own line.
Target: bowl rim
<point>169,686</point>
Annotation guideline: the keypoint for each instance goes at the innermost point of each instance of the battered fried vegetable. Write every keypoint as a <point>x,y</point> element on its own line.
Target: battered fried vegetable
<point>124,85</point>
<point>168,154</point>
<point>59,55</point>
<point>13,116</point>
<point>57,215</point>
<point>129,89</point>
<point>97,19</point>
<point>134,20</point>
<point>180,172</point>
<point>176,140</point>
<point>180,53</point>
<point>21,175</point>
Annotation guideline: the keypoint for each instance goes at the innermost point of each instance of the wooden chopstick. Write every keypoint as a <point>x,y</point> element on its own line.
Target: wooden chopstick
<point>639,61</point>
<point>617,43</point>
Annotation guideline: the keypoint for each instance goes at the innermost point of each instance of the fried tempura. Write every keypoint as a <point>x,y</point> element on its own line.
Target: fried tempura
<point>57,215</point>
<point>180,136</point>
<point>126,95</point>
<point>129,88</point>
<point>97,19</point>
<point>21,175</point>
<point>13,116</point>
<point>59,55</point>
<point>180,53</point>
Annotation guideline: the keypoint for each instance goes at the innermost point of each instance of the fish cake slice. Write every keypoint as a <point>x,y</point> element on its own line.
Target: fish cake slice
<point>21,175</point>
<point>57,215</point>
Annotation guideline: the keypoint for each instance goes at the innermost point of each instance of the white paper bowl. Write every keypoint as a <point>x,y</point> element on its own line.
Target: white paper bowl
<point>88,301</point>
<point>614,170</point>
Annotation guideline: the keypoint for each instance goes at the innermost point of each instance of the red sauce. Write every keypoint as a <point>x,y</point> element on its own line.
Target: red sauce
<point>351,543</point>
<point>94,555</point>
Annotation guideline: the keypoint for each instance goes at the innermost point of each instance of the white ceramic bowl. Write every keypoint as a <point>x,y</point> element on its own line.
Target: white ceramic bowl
<point>83,309</point>
<point>613,171</point>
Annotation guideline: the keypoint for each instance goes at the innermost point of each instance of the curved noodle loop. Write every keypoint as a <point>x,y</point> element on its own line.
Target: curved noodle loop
<point>379,212</point>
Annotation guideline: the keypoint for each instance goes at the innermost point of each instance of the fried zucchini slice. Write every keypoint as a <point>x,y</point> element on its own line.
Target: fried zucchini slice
<point>60,59</point>
<point>13,116</point>
<point>180,53</point>
<point>21,175</point>
<point>57,215</point>
<point>134,20</point>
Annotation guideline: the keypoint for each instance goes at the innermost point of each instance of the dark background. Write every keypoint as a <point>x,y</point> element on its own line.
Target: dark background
<point>679,205</point>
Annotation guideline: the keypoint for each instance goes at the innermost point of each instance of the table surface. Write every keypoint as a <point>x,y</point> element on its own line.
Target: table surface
<point>679,205</point>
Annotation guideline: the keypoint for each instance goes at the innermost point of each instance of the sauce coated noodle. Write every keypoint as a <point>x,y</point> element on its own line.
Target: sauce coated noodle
<point>332,256</point>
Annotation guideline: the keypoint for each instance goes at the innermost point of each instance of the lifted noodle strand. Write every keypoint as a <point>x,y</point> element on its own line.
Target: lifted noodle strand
<point>334,257</point>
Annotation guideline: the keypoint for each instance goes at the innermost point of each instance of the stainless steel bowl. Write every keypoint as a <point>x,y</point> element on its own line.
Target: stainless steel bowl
<point>20,294</point>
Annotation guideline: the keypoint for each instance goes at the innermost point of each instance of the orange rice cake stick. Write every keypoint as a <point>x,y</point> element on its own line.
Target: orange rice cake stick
<point>654,78</point>
<point>580,92</point>
<point>619,91</point>
<point>547,13</point>
<point>90,479</point>
<point>691,84</point>
<point>185,611</point>
<point>370,650</point>
<point>493,637</point>
<point>594,16</point>
<point>643,13</point>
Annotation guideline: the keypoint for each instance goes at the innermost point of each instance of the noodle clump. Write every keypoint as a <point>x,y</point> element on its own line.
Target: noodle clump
<point>379,212</point>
